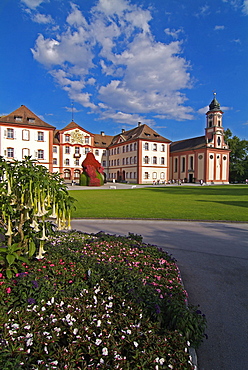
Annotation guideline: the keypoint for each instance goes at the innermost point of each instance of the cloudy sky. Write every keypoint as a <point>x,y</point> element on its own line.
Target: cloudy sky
<point>112,63</point>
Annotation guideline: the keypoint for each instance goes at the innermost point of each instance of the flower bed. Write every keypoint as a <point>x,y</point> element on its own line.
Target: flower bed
<point>98,301</point>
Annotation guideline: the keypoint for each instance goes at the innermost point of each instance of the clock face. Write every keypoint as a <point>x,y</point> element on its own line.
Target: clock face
<point>77,137</point>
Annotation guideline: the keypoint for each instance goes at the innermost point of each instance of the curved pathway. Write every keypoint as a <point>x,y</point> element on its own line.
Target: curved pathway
<point>213,259</point>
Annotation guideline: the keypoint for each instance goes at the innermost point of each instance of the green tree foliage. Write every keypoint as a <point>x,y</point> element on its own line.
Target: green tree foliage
<point>238,157</point>
<point>29,196</point>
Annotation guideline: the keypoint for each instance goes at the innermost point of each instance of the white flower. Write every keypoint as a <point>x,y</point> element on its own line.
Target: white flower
<point>75,331</point>
<point>135,344</point>
<point>29,342</point>
<point>105,351</point>
<point>98,341</point>
<point>54,363</point>
<point>129,331</point>
<point>161,361</point>
<point>98,323</point>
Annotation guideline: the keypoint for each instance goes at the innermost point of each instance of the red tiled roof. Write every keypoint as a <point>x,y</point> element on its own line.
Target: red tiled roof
<point>24,116</point>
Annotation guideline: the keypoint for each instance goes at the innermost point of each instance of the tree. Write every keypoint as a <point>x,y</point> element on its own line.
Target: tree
<point>29,196</point>
<point>238,157</point>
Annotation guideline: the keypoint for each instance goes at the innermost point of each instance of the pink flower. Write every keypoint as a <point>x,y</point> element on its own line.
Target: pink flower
<point>8,290</point>
<point>1,275</point>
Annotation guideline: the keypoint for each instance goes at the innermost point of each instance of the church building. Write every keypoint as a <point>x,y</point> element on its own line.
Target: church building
<point>139,156</point>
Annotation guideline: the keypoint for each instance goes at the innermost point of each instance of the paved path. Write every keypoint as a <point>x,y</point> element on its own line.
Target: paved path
<point>213,259</point>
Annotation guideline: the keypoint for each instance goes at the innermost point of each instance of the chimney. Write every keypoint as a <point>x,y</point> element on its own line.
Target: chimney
<point>123,130</point>
<point>102,133</point>
<point>139,124</point>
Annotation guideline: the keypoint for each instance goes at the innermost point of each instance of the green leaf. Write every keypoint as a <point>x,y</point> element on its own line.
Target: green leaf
<point>31,249</point>
<point>9,273</point>
<point>10,259</point>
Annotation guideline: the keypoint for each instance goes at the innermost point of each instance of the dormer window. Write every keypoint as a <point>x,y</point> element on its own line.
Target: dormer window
<point>31,120</point>
<point>18,118</point>
<point>147,134</point>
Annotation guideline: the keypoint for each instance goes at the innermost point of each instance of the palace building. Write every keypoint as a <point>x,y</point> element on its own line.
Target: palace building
<point>140,155</point>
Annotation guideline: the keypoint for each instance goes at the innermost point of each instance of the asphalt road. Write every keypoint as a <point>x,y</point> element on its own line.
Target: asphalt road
<point>213,259</point>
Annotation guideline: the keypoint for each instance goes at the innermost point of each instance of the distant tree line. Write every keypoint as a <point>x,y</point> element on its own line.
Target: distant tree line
<point>238,157</point>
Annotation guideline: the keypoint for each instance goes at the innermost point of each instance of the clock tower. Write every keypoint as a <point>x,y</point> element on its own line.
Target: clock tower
<point>214,132</point>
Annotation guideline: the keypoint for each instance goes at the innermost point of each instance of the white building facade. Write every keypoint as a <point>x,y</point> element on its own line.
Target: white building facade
<point>139,155</point>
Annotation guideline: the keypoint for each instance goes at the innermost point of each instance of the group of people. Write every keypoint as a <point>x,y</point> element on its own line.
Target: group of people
<point>179,182</point>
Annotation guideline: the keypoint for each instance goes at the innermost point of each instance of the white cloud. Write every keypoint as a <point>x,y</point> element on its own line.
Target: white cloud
<point>203,11</point>
<point>238,4</point>
<point>42,18</point>
<point>112,64</point>
<point>217,28</point>
<point>173,33</point>
<point>33,4</point>
<point>205,109</point>
<point>245,7</point>
<point>125,118</point>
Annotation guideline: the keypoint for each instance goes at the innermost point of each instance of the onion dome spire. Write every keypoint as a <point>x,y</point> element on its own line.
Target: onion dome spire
<point>214,105</point>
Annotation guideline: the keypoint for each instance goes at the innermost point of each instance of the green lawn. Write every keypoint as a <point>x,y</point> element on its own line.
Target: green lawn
<point>228,203</point>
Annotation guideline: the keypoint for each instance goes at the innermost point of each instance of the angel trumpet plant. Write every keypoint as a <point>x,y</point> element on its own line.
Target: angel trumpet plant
<point>29,193</point>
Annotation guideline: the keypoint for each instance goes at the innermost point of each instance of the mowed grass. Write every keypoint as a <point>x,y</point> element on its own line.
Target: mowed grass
<point>223,203</point>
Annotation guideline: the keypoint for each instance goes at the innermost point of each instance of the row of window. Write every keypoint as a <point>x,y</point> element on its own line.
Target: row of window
<point>20,119</point>
<point>183,164</point>
<point>128,175</point>
<point>154,147</point>
<point>126,148</point>
<point>10,153</point>
<point>154,176</point>
<point>146,160</point>
<point>67,174</point>
<point>10,134</point>
<point>77,150</point>
<point>125,161</point>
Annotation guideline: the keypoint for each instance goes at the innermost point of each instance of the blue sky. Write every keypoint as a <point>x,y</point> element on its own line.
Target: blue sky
<point>118,62</point>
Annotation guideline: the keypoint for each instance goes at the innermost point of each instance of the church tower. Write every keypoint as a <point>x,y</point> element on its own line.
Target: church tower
<point>214,132</point>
